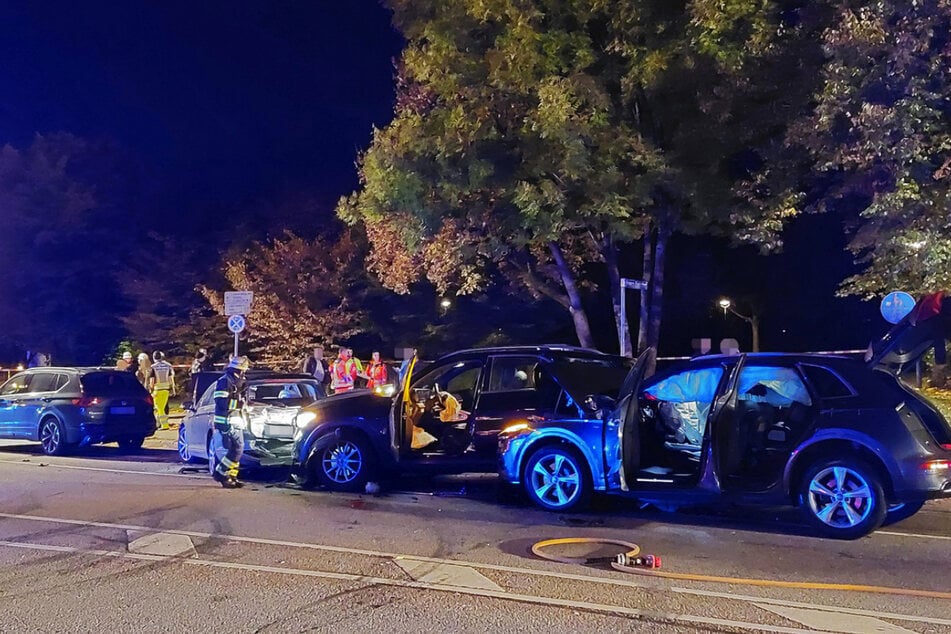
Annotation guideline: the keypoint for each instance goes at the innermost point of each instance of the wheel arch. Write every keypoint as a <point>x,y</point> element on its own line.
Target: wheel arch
<point>336,431</point>
<point>830,449</point>
<point>45,416</point>
<point>565,441</point>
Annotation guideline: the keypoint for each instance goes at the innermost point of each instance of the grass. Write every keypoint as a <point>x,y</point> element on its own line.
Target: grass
<point>941,397</point>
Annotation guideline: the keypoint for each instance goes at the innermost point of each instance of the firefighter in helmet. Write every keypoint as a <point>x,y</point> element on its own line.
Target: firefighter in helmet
<point>229,421</point>
<point>161,384</point>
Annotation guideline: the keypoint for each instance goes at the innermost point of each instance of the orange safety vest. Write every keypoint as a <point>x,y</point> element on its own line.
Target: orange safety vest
<point>344,375</point>
<point>377,373</point>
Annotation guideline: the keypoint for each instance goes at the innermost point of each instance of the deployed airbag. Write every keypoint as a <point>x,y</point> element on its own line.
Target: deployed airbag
<point>782,386</point>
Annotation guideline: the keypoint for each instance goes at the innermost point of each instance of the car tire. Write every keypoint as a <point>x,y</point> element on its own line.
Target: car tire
<point>843,498</point>
<point>213,445</point>
<point>53,437</point>
<point>557,479</point>
<point>131,444</point>
<point>901,512</point>
<point>184,453</point>
<point>342,462</point>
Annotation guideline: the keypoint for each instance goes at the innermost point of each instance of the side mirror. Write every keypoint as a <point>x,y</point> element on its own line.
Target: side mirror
<point>188,405</point>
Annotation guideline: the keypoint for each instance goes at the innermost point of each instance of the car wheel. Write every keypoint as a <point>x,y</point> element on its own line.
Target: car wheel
<point>900,512</point>
<point>183,451</point>
<point>131,444</point>
<point>843,498</point>
<point>557,479</point>
<point>342,463</point>
<point>53,437</point>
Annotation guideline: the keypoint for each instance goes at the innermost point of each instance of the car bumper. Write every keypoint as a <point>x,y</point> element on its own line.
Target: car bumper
<point>268,452</point>
<point>926,486</point>
<point>87,433</point>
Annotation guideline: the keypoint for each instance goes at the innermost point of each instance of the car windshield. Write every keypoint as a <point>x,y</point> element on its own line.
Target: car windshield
<point>294,393</point>
<point>581,377</point>
<point>110,383</point>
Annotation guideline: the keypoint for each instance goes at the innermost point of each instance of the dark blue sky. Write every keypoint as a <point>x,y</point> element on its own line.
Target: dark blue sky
<point>224,100</point>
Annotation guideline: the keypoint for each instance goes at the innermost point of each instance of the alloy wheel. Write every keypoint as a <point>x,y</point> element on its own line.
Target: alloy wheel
<point>342,462</point>
<point>50,437</point>
<point>183,451</point>
<point>840,497</point>
<point>556,480</point>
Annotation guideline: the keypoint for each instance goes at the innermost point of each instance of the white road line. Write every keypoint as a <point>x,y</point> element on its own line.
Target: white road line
<point>492,594</point>
<point>916,535</point>
<point>56,465</point>
<point>626,583</point>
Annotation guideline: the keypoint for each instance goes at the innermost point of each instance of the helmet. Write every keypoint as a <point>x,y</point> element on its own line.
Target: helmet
<point>158,355</point>
<point>127,355</point>
<point>239,363</point>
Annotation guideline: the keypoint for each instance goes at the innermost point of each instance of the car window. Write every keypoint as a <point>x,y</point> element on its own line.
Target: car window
<point>208,396</point>
<point>43,382</point>
<point>61,381</point>
<point>825,382</point>
<point>17,385</point>
<point>512,374</point>
<point>459,379</point>
<point>777,386</point>
<point>110,384</point>
<point>292,393</point>
<point>681,405</point>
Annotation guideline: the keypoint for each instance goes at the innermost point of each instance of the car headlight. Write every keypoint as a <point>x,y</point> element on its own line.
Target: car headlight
<point>385,390</point>
<point>304,419</point>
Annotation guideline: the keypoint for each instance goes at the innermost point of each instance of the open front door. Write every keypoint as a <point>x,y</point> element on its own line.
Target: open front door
<point>400,431</point>
<point>723,429</point>
<point>629,442</point>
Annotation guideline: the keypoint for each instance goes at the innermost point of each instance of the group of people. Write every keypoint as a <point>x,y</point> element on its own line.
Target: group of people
<point>343,373</point>
<point>157,376</point>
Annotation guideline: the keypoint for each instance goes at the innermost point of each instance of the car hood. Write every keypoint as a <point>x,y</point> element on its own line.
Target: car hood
<point>927,326</point>
<point>359,404</point>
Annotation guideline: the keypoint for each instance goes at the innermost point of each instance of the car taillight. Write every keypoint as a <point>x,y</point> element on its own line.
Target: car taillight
<point>86,401</point>
<point>937,465</point>
<point>946,447</point>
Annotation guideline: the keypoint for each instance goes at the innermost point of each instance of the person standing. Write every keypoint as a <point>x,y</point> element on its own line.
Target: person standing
<point>124,362</point>
<point>314,366</point>
<point>229,401</point>
<point>201,363</point>
<point>344,375</point>
<point>161,385</point>
<point>145,365</point>
<point>377,372</point>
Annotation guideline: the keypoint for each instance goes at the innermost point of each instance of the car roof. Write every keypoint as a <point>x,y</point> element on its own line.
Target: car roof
<point>549,349</point>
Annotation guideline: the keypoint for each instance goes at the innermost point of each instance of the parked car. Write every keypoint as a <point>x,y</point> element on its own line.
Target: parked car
<point>65,408</point>
<point>846,441</point>
<point>447,417</point>
<point>273,402</point>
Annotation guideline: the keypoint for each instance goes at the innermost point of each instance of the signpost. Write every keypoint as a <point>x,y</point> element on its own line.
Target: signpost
<point>896,305</point>
<point>237,305</point>
<point>627,283</point>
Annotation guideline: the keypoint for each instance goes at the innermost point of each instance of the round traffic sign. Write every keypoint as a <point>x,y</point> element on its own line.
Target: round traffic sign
<point>896,305</point>
<point>236,323</point>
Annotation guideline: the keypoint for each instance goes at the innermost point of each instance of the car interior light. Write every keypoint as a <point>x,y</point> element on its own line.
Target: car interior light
<point>304,419</point>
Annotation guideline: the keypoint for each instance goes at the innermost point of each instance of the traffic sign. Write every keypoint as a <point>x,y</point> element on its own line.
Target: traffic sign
<point>238,302</point>
<point>896,305</point>
<point>236,323</point>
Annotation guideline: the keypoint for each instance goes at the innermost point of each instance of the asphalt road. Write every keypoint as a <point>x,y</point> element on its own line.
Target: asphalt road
<point>108,542</point>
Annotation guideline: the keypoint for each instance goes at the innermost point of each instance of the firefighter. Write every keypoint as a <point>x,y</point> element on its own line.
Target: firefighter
<point>229,403</point>
<point>377,372</point>
<point>161,384</point>
<point>344,370</point>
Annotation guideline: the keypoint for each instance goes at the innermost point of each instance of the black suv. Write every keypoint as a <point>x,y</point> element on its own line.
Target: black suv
<point>447,418</point>
<point>64,408</point>
<point>846,441</point>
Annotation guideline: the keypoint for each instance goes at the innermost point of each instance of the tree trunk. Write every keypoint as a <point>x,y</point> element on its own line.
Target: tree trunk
<point>657,293</point>
<point>645,309</point>
<point>575,307</point>
<point>609,253</point>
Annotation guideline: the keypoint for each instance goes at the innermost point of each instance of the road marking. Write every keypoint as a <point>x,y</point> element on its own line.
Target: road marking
<point>56,465</point>
<point>161,544</point>
<point>421,585</point>
<point>445,574</point>
<point>611,581</point>
<point>918,535</point>
<point>838,623</point>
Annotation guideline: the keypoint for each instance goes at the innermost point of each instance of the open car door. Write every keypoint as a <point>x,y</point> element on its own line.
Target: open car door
<point>927,326</point>
<point>629,419</point>
<point>399,438</point>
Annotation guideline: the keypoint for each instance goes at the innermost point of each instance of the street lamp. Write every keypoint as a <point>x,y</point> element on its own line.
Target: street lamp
<point>445,303</point>
<point>753,320</point>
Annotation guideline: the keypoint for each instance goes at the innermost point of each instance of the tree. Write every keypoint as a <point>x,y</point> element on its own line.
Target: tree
<point>878,143</point>
<point>306,293</point>
<point>530,139</point>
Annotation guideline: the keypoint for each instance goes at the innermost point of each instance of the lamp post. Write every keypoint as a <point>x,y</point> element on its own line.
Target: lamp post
<point>627,284</point>
<point>753,320</point>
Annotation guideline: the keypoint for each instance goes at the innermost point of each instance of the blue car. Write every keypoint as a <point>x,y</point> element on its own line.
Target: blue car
<point>843,439</point>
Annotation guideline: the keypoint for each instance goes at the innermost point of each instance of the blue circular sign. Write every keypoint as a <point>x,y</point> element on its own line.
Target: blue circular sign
<point>896,305</point>
<point>236,323</point>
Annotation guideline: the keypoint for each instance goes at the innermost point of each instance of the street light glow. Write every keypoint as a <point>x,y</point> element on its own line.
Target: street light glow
<point>725,303</point>
<point>446,302</point>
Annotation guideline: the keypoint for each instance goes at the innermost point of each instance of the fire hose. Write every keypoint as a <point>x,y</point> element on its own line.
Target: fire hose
<point>630,560</point>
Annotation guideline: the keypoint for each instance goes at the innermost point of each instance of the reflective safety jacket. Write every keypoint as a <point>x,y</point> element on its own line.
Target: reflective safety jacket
<point>163,374</point>
<point>378,375</point>
<point>229,397</point>
<point>344,375</point>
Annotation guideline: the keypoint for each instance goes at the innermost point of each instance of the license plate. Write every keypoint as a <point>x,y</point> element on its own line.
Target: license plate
<point>122,410</point>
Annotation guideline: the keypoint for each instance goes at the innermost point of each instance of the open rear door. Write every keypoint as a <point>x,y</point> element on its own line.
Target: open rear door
<point>927,326</point>
<point>629,415</point>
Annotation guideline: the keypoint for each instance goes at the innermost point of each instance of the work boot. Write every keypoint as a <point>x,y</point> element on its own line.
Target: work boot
<point>230,483</point>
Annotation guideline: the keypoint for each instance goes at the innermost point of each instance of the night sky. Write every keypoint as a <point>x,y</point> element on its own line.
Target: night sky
<point>237,101</point>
